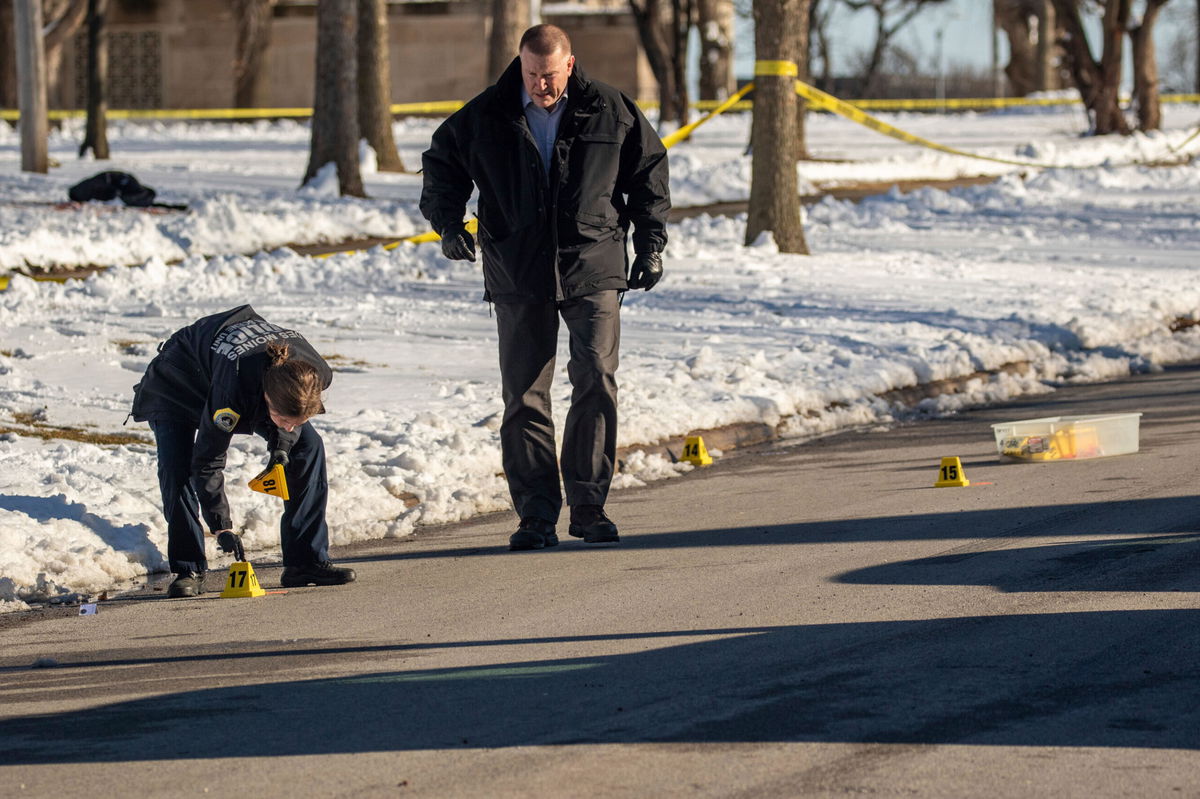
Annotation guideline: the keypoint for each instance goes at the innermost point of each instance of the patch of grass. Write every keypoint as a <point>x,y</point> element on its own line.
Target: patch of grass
<point>31,425</point>
<point>130,346</point>
<point>335,361</point>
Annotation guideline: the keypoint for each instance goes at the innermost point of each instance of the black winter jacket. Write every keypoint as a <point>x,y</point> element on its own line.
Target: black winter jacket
<point>210,374</point>
<point>550,239</point>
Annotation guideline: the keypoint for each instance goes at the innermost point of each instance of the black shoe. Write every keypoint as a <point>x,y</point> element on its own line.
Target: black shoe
<point>323,573</point>
<point>186,584</point>
<point>534,533</point>
<point>589,523</point>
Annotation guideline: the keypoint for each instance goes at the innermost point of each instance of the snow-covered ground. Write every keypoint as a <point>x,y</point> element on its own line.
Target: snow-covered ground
<point>1076,272</point>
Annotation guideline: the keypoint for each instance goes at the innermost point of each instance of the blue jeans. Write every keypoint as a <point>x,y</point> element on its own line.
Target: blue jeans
<point>303,534</point>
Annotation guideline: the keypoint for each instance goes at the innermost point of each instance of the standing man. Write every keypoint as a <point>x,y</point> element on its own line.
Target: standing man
<point>564,165</point>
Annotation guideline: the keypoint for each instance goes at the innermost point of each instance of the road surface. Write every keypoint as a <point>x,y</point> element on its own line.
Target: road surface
<point>814,620</point>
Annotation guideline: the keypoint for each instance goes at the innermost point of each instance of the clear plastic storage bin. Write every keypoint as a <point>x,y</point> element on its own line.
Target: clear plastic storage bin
<point>1068,437</point>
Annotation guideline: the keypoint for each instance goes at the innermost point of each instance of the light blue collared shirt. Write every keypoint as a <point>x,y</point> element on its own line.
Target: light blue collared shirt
<point>543,124</point>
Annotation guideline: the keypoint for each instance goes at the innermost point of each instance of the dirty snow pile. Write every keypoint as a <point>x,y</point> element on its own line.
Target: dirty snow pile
<point>1075,274</point>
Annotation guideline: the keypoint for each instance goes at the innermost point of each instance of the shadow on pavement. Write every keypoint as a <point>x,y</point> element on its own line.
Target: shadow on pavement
<point>1154,563</point>
<point>1121,517</point>
<point>1111,679</point>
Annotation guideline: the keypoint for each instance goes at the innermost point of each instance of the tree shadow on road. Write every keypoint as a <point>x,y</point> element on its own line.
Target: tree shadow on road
<point>1111,679</point>
<point>1159,515</point>
<point>1150,563</point>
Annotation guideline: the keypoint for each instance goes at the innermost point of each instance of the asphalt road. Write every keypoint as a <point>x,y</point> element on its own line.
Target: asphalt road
<point>814,620</point>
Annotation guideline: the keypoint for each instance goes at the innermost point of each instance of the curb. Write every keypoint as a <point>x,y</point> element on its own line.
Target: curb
<point>742,435</point>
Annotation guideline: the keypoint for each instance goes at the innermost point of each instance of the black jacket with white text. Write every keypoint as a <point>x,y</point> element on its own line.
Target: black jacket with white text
<point>210,374</point>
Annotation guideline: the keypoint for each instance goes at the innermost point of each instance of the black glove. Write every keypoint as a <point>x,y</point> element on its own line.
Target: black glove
<point>278,456</point>
<point>228,541</point>
<point>646,270</point>
<point>457,244</point>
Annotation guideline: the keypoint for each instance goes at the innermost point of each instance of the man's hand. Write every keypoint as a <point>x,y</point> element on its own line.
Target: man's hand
<point>646,270</point>
<point>457,244</point>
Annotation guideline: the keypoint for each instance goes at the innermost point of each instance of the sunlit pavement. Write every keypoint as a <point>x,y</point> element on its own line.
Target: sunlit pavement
<point>810,620</point>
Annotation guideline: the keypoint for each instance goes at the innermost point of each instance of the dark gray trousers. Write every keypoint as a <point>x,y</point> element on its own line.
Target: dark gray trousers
<point>528,343</point>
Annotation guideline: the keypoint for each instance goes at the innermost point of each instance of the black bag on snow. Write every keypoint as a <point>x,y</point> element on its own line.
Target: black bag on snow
<point>107,185</point>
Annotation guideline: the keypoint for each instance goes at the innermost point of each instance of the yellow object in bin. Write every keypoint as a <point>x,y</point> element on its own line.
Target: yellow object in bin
<point>1068,437</point>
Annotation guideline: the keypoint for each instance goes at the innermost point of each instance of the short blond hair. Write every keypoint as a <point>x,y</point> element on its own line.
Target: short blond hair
<point>544,40</point>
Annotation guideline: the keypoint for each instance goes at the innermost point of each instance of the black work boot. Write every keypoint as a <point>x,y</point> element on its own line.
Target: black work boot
<point>534,533</point>
<point>589,523</point>
<point>186,584</point>
<point>322,573</point>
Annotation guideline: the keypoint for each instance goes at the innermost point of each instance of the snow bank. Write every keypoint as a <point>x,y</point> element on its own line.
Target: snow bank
<point>1074,273</point>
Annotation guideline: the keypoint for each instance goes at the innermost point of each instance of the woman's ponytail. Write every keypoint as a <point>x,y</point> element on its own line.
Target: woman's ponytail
<point>278,352</point>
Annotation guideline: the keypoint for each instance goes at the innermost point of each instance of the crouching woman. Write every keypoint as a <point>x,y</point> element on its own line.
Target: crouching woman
<point>224,375</point>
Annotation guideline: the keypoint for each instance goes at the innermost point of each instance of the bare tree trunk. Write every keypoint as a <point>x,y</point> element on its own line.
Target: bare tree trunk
<point>1115,24</point>
<point>804,66</point>
<point>1046,48</point>
<point>774,190</point>
<point>335,102</point>
<point>1023,59</point>
<point>681,25</point>
<point>8,57</point>
<point>253,39</point>
<point>63,19</point>
<point>510,18</point>
<point>648,15</point>
<point>31,86</point>
<point>715,22</point>
<point>1098,81</point>
<point>1197,43</point>
<point>375,84</point>
<point>96,136</point>
<point>1145,69</point>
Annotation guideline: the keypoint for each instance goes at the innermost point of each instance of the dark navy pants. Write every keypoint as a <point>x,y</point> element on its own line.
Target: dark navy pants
<point>303,534</point>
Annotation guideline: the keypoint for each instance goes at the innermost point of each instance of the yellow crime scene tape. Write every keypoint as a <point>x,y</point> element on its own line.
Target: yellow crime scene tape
<point>1186,141</point>
<point>445,107</point>
<point>43,278</point>
<point>852,111</point>
<point>672,139</point>
<point>439,107</point>
<point>840,107</point>
<point>816,97</point>
<point>669,141</point>
<point>788,69</point>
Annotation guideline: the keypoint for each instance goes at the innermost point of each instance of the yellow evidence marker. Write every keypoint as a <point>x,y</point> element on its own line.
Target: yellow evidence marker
<point>694,452</point>
<point>951,474</point>
<point>271,481</point>
<point>242,582</point>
